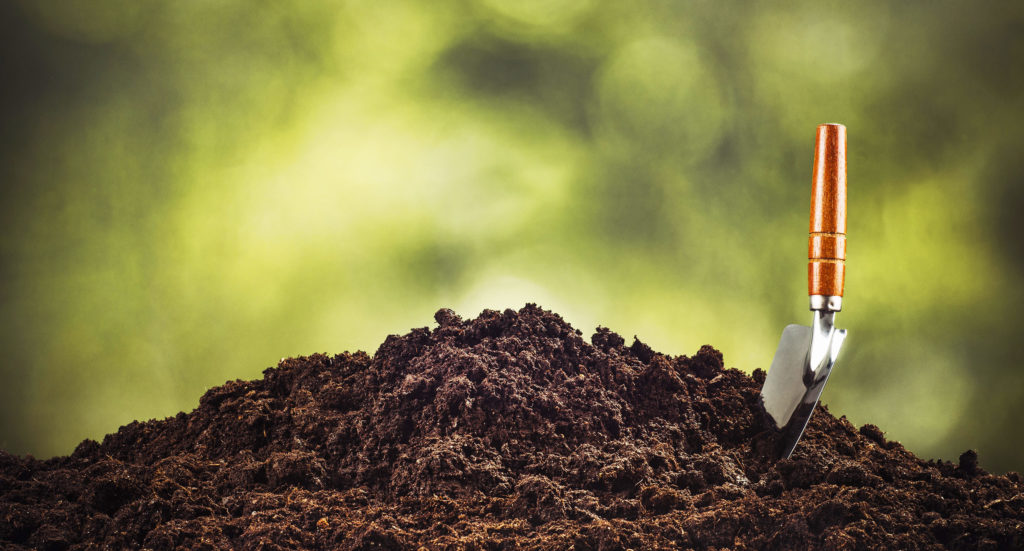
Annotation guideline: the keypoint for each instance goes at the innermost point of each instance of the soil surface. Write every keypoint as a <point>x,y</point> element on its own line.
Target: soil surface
<point>509,431</point>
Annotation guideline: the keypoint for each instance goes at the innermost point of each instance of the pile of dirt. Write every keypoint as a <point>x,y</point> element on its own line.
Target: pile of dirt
<point>507,431</point>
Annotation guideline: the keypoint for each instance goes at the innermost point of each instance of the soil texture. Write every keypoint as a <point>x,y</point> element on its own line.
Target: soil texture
<point>509,431</point>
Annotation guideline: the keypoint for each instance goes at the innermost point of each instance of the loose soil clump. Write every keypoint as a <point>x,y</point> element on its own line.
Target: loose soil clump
<point>505,432</point>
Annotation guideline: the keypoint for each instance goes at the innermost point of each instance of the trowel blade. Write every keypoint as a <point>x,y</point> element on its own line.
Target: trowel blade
<point>797,376</point>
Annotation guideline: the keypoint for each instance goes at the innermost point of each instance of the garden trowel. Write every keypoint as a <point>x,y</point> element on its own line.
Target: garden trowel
<point>806,355</point>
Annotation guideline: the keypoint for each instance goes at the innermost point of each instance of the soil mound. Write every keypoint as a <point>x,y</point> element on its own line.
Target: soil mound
<point>508,431</point>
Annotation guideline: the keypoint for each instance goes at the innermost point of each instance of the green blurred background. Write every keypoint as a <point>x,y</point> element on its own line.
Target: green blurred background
<point>192,190</point>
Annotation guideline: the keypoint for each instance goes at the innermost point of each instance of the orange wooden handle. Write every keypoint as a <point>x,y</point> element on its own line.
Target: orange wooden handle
<point>826,247</point>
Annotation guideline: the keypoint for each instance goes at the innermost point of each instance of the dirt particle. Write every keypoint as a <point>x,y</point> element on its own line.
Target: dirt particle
<point>873,433</point>
<point>968,465</point>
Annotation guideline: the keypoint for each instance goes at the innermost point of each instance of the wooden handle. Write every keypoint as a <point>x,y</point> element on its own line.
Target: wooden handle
<point>826,248</point>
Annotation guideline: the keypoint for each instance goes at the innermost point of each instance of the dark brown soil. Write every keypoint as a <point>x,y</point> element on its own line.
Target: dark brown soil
<point>509,431</point>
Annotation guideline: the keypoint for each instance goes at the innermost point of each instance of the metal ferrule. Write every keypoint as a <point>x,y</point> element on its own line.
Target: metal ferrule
<point>827,303</point>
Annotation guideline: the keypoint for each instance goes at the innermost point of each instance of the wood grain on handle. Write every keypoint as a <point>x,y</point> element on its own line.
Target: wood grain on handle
<point>826,248</point>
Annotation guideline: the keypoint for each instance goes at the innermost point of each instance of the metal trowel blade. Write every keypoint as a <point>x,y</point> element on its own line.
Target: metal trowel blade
<point>798,374</point>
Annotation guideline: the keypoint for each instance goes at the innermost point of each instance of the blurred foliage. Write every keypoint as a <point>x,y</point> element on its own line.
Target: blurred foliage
<point>194,189</point>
